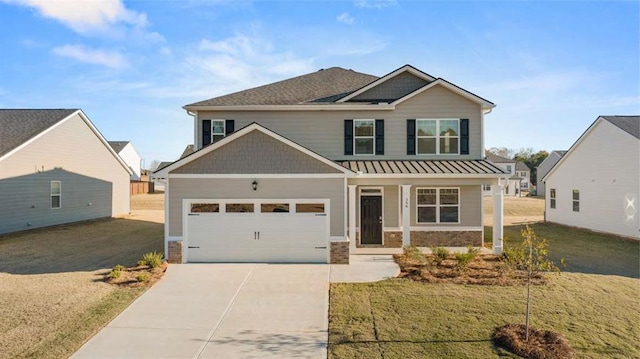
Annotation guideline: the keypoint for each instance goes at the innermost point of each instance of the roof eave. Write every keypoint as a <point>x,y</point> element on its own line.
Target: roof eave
<point>309,107</point>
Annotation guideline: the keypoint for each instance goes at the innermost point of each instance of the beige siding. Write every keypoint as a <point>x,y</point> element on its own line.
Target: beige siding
<point>272,188</point>
<point>390,202</point>
<point>73,147</point>
<point>256,152</point>
<point>323,131</point>
<point>392,89</point>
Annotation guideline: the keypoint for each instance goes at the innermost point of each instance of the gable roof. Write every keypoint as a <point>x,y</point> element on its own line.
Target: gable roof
<point>187,151</point>
<point>496,159</point>
<point>163,171</point>
<point>521,166</point>
<point>17,126</point>
<point>118,145</point>
<point>629,124</point>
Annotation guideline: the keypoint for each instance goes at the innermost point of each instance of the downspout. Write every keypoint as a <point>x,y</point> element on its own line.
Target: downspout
<point>195,128</point>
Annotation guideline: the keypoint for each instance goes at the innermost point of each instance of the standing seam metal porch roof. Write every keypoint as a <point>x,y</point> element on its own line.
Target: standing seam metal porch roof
<point>437,167</point>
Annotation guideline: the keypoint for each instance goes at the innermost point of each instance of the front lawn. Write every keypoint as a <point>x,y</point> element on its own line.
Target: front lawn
<point>401,318</point>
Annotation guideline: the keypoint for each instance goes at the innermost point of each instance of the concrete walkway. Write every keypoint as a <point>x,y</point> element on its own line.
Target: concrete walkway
<point>232,311</point>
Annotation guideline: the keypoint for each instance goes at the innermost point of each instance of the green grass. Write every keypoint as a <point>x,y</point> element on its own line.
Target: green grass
<point>71,335</point>
<point>405,319</point>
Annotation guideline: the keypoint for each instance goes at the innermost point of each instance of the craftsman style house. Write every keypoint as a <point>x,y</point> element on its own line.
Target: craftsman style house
<point>315,167</point>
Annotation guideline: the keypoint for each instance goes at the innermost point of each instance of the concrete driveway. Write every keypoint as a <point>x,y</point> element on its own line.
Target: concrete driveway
<point>223,311</point>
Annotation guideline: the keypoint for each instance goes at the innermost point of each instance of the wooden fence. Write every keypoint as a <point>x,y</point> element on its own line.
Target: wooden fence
<point>138,187</point>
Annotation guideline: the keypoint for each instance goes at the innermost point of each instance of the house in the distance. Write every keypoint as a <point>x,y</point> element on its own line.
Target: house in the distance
<point>55,168</point>
<point>513,183</point>
<point>130,156</point>
<point>523,171</point>
<point>544,167</point>
<point>595,184</point>
<point>313,168</point>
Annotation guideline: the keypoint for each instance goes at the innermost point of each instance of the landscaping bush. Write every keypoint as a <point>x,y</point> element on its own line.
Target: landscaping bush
<point>143,277</point>
<point>116,271</point>
<point>151,259</point>
<point>464,259</point>
<point>439,254</point>
<point>414,254</point>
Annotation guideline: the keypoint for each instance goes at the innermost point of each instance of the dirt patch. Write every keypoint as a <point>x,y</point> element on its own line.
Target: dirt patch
<point>138,276</point>
<point>485,269</point>
<point>541,344</point>
<point>516,210</point>
<point>147,201</point>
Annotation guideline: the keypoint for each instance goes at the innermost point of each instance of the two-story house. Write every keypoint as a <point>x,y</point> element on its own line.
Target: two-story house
<point>315,167</point>
<point>523,172</point>
<point>513,185</point>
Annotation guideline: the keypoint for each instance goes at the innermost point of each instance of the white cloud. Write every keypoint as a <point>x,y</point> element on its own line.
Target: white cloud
<point>97,57</point>
<point>345,18</point>
<point>375,4</point>
<point>86,16</point>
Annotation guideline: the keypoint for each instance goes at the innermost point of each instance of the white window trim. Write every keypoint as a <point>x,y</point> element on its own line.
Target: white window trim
<point>437,136</point>
<point>372,137</point>
<point>438,205</point>
<point>552,197</point>
<point>573,201</point>
<point>59,195</point>
<point>224,126</point>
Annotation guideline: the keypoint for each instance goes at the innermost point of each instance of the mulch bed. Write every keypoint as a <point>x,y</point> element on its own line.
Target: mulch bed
<point>485,269</point>
<point>128,278</point>
<point>541,344</point>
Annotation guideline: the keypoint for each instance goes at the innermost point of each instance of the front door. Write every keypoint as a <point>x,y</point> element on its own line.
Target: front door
<point>371,220</point>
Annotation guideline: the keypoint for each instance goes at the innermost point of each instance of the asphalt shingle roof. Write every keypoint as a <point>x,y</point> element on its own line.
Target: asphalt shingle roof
<point>521,166</point>
<point>118,145</point>
<point>326,85</point>
<point>496,159</point>
<point>629,124</point>
<point>19,125</point>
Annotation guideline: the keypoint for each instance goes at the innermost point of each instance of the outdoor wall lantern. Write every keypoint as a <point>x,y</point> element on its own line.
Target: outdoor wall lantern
<point>254,185</point>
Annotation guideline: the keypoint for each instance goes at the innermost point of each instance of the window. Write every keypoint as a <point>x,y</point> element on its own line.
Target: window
<point>438,136</point>
<point>552,198</point>
<point>56,194</point>
<point>239,207</point>
<point>438,205</point>
<point>364,137</point>
<point>576,200</point>
<point>217,130</point>
<point>205,208</point>
<point>274,208</point>
<point>310,208</point>
<point>509,168</point>
<point>486,187</point>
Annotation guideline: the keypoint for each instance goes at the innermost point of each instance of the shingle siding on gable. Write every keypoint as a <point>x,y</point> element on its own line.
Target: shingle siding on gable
<point>323,131</point>
<point>392,89</point>
<point>255,152</point>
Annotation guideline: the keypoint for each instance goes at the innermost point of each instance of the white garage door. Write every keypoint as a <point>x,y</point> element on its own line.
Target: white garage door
<point>257,231</point>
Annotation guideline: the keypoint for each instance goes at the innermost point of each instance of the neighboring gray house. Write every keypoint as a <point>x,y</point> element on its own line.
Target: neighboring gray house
<point>55,167</point>
<point>130,156</point>
<point>544,168</point>
<point>334,162</point>
<point>523,171</point>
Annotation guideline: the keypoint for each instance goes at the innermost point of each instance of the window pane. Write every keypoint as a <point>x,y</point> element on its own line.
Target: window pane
<point>274,208</point>
<point>364,128</point>
<point>552,193</point>
<point>426,214</point>
<point>449,214</point>
<point>553,203</point>
<point>55,187</point>
<point>239,207</point>
<point>216,138</point>
<point>55,201</point>
<point>426,128</point>
<point>217,127</point>
<point>426,196</point>
<point>576,206</point>
<point>205,208</point>
<point>448,196</point>
<point>310,208</point>
<point>364,146</point>
<point>576,195</point>
<point>370,191</point>
<point>449,145</point>
<point>426,145</point>
<point>449,128</point>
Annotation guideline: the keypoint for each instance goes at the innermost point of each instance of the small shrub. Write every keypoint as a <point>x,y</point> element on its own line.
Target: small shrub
<point>115,274</point>
<point>143,277</point>
<point>464,259</point>
<point>151,259</point>
<point>414,254</point>
<point>118,267</point>
<point>440,254</point>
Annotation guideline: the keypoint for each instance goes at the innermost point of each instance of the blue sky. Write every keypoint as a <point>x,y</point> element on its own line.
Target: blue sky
<point>551,67</point>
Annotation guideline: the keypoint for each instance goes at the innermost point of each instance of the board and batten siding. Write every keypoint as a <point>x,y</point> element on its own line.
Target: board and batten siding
<point>605,168</point>
<point>323,131</point>
<point>26,200</point>
<point>268,188</point>
<point>74,147</point>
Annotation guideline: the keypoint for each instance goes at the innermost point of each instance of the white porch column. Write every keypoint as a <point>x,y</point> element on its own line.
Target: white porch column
<point>498,218</point>
<point>352,218</point>
<point>406,214</point>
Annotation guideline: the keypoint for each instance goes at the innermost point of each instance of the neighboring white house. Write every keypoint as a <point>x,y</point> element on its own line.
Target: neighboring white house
<point>523,171</point>
<point>129,155</point>
<point>544,168</point>
<point>512,187</point>
<point>55,168</point>
<point>595,184</point>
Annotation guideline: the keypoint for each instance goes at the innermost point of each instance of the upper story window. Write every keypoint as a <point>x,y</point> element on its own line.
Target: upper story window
<point>509,168</point>
<point>438,136</point>
<point>364,137</point>
<point>56,194</point>
<point>217,130</point>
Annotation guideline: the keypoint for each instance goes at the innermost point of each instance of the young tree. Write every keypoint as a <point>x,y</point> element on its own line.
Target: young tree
<point>154,164</point>
<point>531,257</point>
<point>502,152</point>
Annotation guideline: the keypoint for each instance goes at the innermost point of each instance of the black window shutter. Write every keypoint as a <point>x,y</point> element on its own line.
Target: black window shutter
<point>206,132</point>
<point>464,136</point>
<point>379,137</point>
<point>411,137</point>
<point>229,127</point>
<point>348,137</point>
